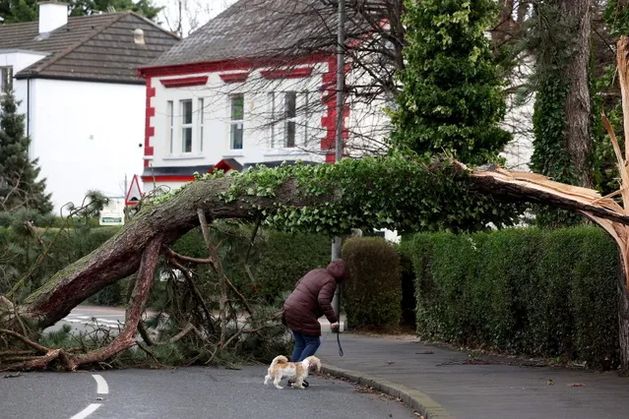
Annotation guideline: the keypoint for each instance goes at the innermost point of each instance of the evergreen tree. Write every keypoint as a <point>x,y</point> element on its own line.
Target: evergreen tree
<point>19,187</point>
<point>451,98</point>
<point>26,10</point>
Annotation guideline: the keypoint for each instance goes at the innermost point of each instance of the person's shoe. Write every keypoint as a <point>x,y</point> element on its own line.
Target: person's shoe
<point>291,382</point>
<point>305,383</point>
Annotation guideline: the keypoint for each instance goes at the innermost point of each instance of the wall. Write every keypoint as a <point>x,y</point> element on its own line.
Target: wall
<point>257,143</point>
<point>87,136</point>
<point>19,60</point>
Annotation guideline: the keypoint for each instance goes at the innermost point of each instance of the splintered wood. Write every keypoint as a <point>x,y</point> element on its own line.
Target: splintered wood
<point>610,214</point>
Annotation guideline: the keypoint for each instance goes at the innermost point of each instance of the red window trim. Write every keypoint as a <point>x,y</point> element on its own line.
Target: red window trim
<point>293,73</point>
<point>186,81</point>
<point>234,77</point>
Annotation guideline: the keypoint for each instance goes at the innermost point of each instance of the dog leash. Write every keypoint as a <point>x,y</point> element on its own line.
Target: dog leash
<point>338,331</point>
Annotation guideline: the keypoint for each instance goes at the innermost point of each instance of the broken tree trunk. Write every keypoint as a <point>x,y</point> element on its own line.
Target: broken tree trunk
<point>139,243</point>
<point>538,188</point>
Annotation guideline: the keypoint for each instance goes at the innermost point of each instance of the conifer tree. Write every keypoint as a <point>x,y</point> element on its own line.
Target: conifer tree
<point>451,97</point>
<point>19,186</point>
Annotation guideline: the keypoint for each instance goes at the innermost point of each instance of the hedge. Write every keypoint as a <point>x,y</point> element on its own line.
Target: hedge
<point>373,292</point>
<point>276,261</point>
<point>542,293</point>
<point>21,253</point>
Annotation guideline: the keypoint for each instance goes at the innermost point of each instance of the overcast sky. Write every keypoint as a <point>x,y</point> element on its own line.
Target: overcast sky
<point>194,13</point>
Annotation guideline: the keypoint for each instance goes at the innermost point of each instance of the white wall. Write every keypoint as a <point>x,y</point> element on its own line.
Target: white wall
<point>86,136</point>
<point>216,121</point>
<point>19,60</point>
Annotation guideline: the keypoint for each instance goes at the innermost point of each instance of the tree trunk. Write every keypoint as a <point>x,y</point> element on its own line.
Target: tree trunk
<point>120,256</point>
<point>623,317</point>
<point>578,109</point>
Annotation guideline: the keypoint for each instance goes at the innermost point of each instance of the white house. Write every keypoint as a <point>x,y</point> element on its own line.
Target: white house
<point>84,102</point>
<point>244,89</point>
<point>252,86</point>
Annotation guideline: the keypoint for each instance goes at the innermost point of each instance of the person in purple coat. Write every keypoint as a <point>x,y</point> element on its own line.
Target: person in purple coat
<point>311,299</point>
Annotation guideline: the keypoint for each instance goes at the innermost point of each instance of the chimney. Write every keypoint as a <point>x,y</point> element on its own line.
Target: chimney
<point>52,15</point>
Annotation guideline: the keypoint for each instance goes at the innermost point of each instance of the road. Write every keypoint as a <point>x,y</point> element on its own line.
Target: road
<point>194,392</point>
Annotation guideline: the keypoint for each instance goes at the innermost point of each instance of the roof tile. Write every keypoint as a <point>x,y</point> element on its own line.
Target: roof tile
<point>97,47</point>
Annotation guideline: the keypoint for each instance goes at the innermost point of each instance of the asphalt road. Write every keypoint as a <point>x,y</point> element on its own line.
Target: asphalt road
<point>194,392</point>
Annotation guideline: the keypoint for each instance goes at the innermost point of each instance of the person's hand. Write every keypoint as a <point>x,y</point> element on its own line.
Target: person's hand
<point>334,327</point>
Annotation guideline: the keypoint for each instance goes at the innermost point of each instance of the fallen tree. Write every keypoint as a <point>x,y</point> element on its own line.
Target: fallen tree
<point>395,192</point>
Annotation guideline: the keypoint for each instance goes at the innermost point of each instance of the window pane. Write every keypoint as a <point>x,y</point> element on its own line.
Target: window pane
<point>290,133</point>
<point>236,136</point>
<point>271,99</point>
<point>169,111</point>
<point>187,139</point>
<point>201,113</point>
<point>186,111</point>
<point>6,79</point>
<point>291,104</point>
<point>238,105</point>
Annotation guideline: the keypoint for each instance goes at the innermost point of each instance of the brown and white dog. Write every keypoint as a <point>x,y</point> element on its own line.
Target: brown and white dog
<point>280,367</point>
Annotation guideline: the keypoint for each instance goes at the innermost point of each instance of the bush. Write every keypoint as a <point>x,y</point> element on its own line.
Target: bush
<point>545,293</point>
<point>32,261</point>
<point>276,261</point>
<point>284,258</point>
<point>372,294</point>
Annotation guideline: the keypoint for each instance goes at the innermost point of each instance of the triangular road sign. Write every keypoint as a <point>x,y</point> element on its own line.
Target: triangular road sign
<point>134,194</point>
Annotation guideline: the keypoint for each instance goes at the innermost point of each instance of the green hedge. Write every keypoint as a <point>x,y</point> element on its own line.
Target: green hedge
<point>276,261</point>
<point>373,292</point>
<point>543,293</point>
<point>20,253</point>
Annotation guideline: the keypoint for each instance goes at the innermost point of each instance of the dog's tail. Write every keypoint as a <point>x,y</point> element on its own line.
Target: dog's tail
<point>280,359</point>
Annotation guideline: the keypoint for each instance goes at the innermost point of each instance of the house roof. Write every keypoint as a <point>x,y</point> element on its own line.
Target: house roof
<point>97,47</point>
<point>258,29</point>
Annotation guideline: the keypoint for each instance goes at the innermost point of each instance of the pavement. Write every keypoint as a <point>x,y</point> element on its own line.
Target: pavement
<point>443,383</point>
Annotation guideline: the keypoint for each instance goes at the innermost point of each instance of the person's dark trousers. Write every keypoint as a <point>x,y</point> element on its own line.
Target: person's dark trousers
<point>305,345</point>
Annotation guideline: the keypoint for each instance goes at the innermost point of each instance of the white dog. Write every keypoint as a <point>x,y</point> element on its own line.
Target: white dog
<point>280,367</point>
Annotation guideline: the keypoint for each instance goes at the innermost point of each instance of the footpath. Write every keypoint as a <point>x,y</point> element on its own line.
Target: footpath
<point>443,383</point>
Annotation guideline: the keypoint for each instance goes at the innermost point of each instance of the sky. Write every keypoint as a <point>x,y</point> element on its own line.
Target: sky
<point>194,13</point>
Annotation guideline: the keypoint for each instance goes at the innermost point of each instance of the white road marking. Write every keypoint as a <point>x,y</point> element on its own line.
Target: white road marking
<point>111,324</point>
<point>101,384</point>
<point>87,411</point>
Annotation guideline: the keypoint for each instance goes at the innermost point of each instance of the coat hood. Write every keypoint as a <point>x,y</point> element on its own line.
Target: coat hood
<point>338,269</point>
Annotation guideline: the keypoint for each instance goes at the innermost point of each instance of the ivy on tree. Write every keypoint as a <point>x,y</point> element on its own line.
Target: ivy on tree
<point>19,187</point>
<point>451,98</point>
<point>553,39</point>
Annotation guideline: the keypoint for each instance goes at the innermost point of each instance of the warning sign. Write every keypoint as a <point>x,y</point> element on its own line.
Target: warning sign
<point>134,194</point>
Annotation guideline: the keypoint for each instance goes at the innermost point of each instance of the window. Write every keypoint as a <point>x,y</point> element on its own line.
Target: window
<point>6,79</point>
<point>171,124</point>
<point>186,126</point>
<point>272,113</point>
<point>307,112</point>
<point>237,116</point>
<point>290,116</point>
<point>284,130</point>
<point>200,113</point>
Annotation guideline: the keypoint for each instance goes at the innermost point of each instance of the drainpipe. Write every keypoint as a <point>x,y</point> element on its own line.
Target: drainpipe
<point>28,107</point>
